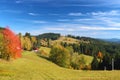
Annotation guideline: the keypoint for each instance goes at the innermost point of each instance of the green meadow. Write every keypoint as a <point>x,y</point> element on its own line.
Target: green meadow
<point>33,67</point>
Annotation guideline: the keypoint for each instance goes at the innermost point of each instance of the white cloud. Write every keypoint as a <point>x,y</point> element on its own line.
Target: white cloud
<point>109,21</point>
<point>18,1</point>
<point>38,21</point>
<point>32,21</point>
<point>84,19</point>
<point>60,29</point>
<point>109,13</point>
<point>78,27</point>
<point>55,28</point>
<point>80,5</point>
<point>75,14</point>
<point>63,20</point>
<point>100,28</point>
<point>33,14</point>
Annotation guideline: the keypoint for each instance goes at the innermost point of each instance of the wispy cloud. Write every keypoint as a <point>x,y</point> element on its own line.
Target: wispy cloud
<point>75,14</point>
<point>63,20</point>
<point>55,28</point>
<point>106,13</point>
<point>84,19</point>
<point>98,18</point>
<point>97,13</point>
<point>80,5</point>
<point>100,28</point>
<point>18,1</point>
<point>59,29</point>
<point>32,21</point>
<point>110,21</point>
<point>79,27</point>
<point>39,21</point>
<point>33,14</point>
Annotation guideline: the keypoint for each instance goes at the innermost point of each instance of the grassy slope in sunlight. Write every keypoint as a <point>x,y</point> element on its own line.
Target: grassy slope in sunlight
<point>32,67</point>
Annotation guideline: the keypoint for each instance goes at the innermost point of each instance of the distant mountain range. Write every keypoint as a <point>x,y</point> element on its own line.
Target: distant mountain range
<point>112,40</point>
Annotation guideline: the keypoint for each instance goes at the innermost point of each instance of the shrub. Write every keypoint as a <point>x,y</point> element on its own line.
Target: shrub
<point>60,56</point>
<point>78,62</point>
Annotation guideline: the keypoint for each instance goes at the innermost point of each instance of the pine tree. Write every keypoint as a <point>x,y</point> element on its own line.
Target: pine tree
<point>94,63</point>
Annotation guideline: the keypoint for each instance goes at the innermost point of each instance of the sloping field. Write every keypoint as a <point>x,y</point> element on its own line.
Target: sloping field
<point>32,67</point>
<point>65,39</point>
<point>46,50</point>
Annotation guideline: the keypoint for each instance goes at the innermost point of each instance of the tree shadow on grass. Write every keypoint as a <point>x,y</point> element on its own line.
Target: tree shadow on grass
<point>42,56</point>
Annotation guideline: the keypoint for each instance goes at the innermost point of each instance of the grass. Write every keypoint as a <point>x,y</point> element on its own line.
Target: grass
<point>88,59</point>
<point>45,49</point>
<point>33,67</point>
<point>68,40</point>
<point>65,39</point>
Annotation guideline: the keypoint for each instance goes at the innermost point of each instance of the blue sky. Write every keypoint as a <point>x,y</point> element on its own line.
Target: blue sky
<point>91,18</point>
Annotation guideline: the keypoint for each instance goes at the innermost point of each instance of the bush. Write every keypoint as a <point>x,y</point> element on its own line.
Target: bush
<point>60,56</point>
<point>78,62</point>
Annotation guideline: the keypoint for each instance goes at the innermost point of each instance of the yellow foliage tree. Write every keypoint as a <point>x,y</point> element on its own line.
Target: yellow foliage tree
<point>33,41</point>
<point>21,39</point>
<point>27,43</point>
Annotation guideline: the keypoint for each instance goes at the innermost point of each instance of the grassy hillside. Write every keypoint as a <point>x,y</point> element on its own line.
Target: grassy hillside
<point>32,67</point>
<point>87,58</point>
<point>45,50</point>
<point>65,39</point>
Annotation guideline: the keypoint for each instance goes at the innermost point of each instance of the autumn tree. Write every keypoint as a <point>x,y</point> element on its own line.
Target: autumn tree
<point>12,45</point>
<point>60,56</point>
<point>100,55</point>
<point>27,43</point>
<point>78,61</point>
<point>34,41</point>
<point>1,44</point>
<point>21,40</point>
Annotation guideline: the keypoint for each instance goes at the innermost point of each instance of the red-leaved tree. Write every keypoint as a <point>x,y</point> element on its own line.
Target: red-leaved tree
<point>12,44</point>
<point>100,55</point>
